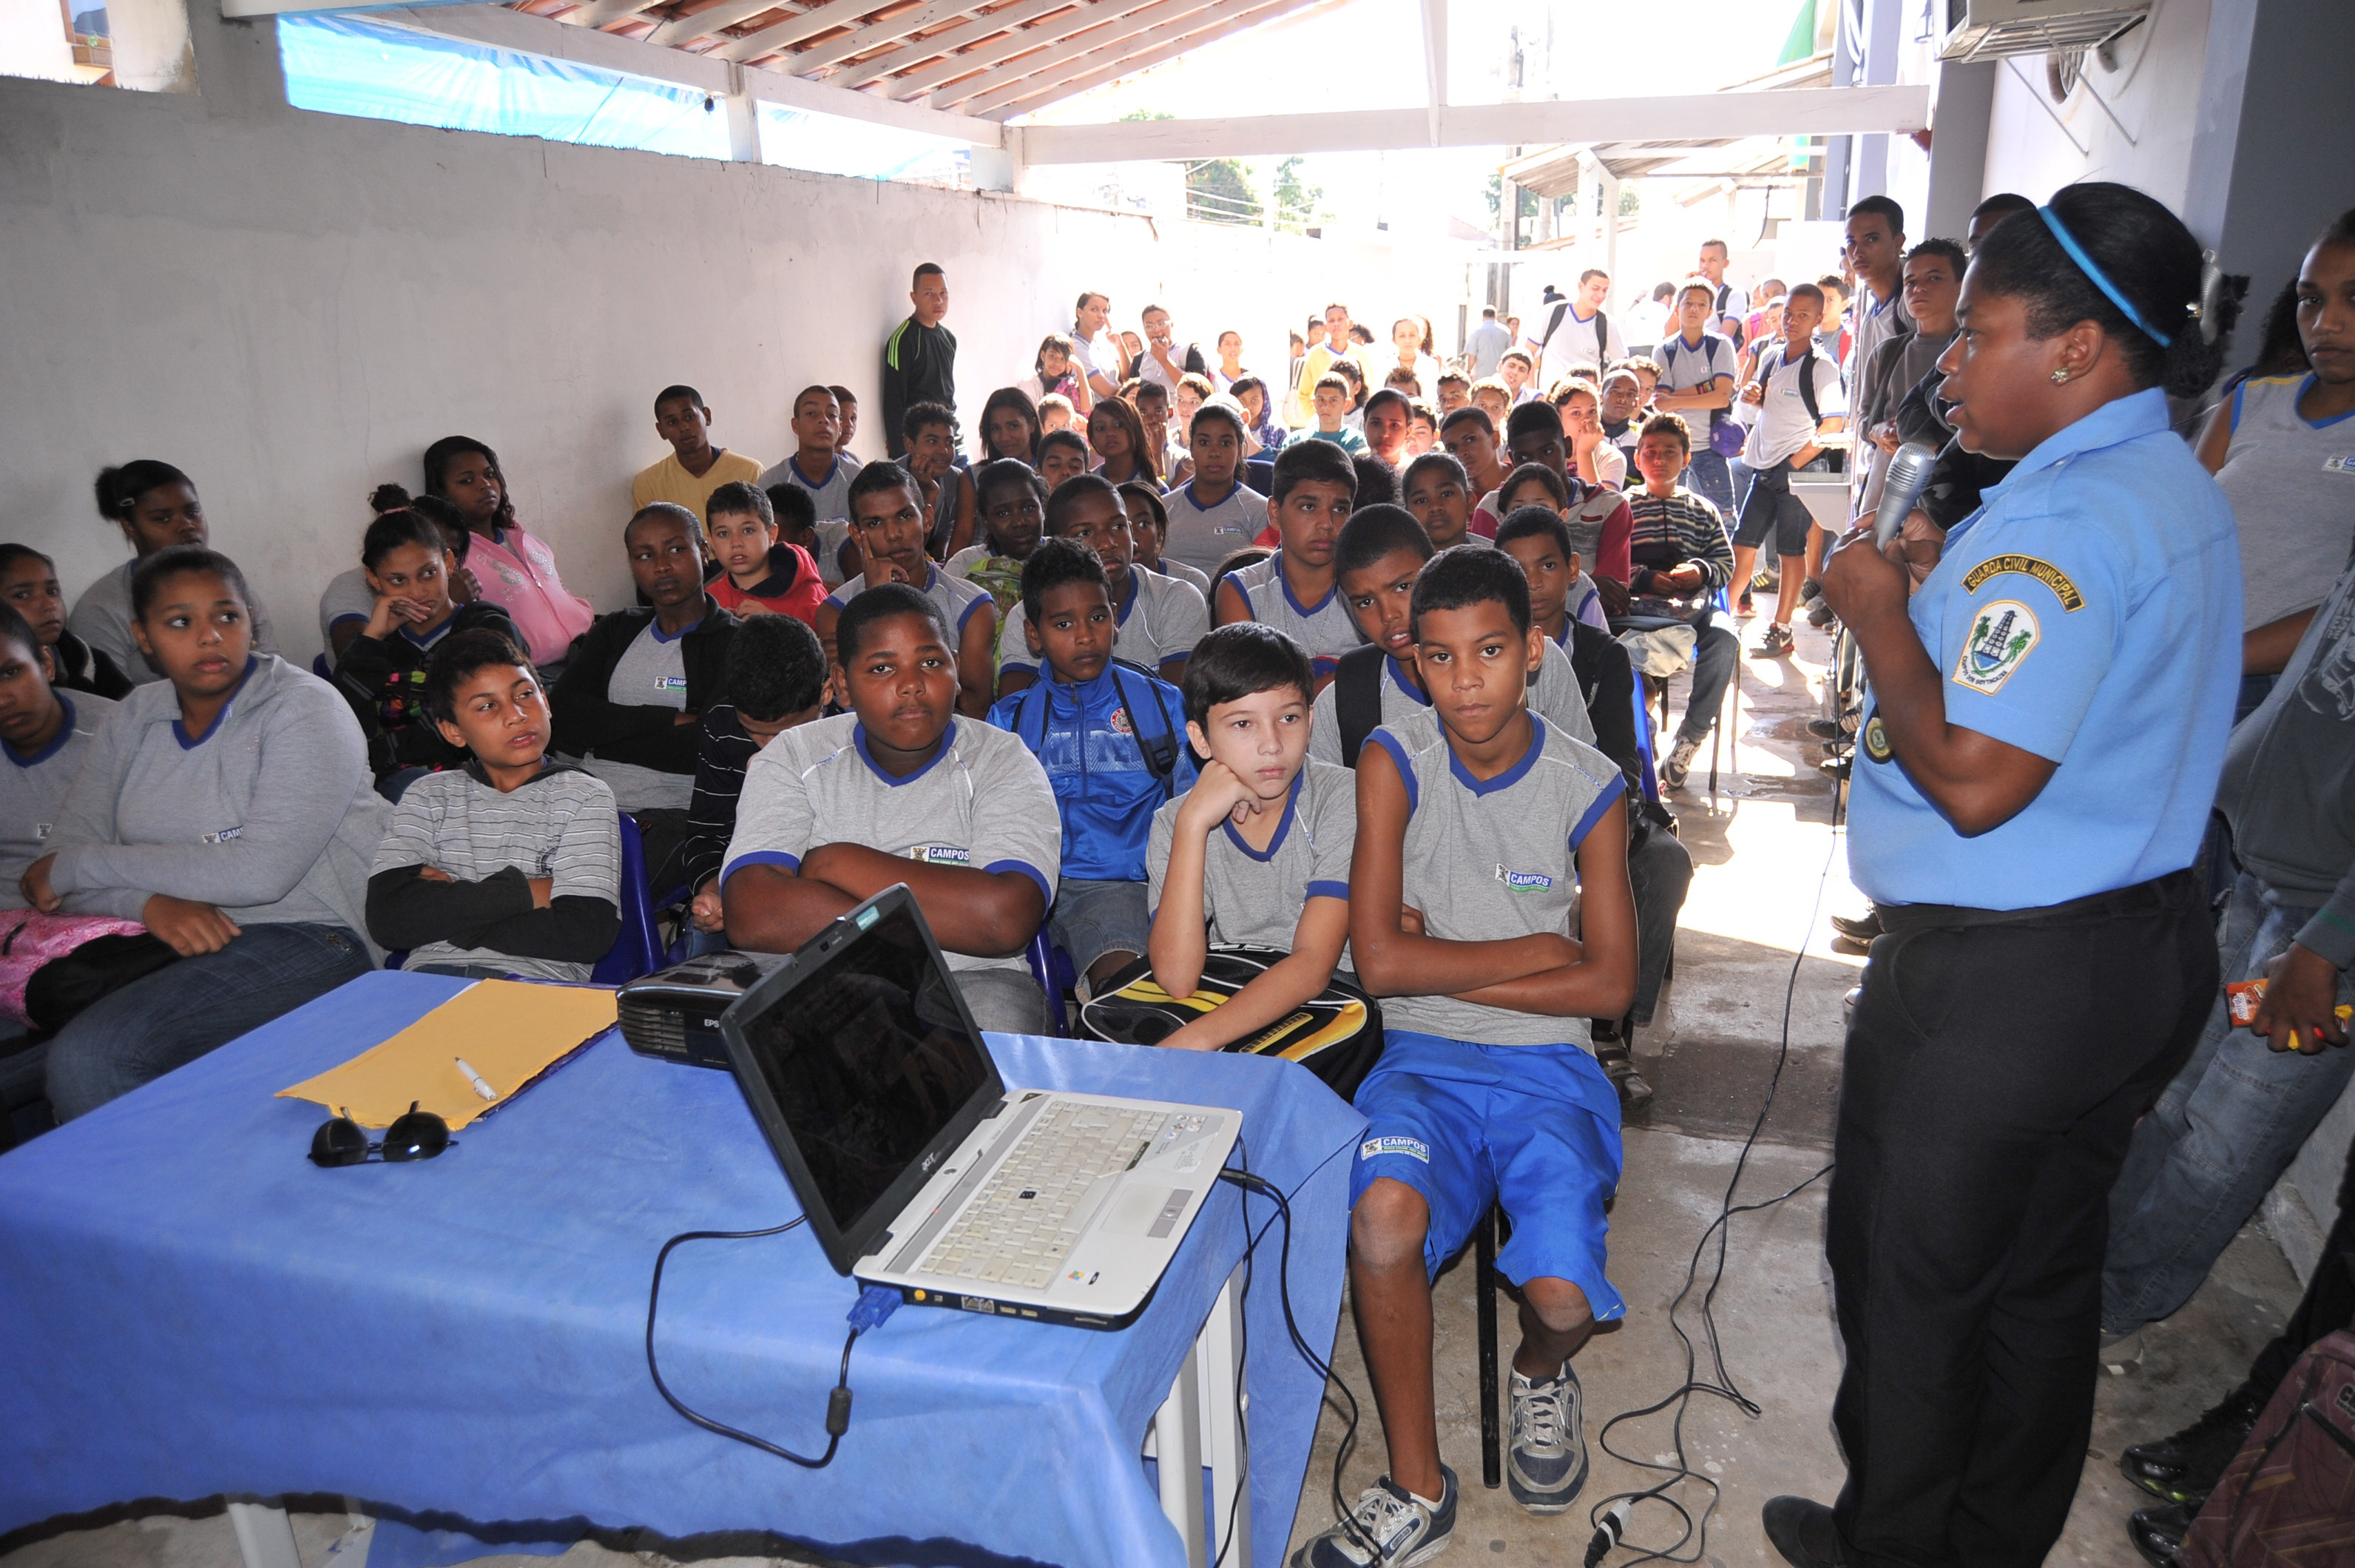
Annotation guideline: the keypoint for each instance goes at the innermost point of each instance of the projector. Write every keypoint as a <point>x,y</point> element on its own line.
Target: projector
<point>674,1013</point>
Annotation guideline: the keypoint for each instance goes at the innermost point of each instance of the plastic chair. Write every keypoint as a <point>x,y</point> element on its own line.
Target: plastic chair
<point>637,949</point>
<point>1487,1236</point>
<point>1643,748</point>
<point>319,667</point>
<point>1042,956</point>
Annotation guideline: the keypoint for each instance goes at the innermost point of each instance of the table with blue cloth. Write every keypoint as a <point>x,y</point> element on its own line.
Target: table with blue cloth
<point>193,1309</point>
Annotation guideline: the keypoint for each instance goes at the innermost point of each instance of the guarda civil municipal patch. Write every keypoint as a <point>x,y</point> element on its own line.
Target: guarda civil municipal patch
<point>2044,571</point>
<point>1875,736</point>
<point>2002,636</point>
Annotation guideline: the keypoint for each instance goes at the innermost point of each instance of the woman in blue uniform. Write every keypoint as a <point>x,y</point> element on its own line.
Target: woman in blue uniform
<point>2044,736</point>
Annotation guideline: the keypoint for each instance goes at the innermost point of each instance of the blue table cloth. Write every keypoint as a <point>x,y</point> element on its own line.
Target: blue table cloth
<point>193,1308</point>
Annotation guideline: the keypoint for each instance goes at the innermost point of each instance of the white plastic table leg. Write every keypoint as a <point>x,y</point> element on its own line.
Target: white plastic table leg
<point>1219,1351</point>
<point>1178,1452</point>
<point>265,1536</point>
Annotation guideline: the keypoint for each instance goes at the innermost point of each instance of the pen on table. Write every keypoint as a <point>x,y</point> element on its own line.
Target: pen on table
<point>484,1090</point>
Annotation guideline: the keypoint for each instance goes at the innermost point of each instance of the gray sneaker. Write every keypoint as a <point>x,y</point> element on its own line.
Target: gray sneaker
<point>1678,763</point>
<point>1547,1466</point>
<point>1400,1527</point>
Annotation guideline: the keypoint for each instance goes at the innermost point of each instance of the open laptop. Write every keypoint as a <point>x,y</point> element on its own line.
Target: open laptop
<point>919,1172</point>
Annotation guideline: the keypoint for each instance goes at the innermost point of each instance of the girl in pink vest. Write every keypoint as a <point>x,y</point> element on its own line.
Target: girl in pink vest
<point>517,572</point>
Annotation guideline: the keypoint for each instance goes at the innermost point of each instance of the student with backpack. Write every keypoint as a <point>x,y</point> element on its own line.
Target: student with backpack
<point>1157,619</point>
<point>1793,401</point>
<point>1112,738</point>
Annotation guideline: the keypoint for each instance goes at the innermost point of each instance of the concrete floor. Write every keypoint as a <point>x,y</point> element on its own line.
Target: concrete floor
<point>1768,871</point>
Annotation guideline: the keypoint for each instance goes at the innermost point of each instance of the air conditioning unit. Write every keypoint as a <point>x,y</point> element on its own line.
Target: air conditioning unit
<point>1985,29</point>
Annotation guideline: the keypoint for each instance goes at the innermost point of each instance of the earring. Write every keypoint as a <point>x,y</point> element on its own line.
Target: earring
<point>2060,377</point>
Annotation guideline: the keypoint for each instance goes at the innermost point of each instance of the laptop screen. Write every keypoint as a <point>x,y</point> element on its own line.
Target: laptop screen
<point>868,1056</point>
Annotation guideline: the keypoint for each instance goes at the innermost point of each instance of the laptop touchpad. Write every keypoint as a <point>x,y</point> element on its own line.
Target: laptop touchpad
<point>1136,1209</point>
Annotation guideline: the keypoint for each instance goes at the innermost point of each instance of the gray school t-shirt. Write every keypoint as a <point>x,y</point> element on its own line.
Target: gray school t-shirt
<point>960,598</point>
<point>347,597</point>
<point>1324,630</point>
<point>1487,862</point>
<point>1163,619</point>
<point>33,789</point>
<point>1256,896</point>
<point>1555,696</point>
<point>101,617</point>
<point>2292,486</point>
<point>983,801</point>
<point>830,495</point>
<point>651,673</point>
<point>1202,536</point>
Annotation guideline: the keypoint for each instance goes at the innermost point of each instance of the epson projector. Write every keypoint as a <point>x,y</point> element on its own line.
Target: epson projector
<point>674,1013</point>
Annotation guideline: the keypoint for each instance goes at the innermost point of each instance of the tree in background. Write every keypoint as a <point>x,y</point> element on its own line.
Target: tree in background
<point>1218,190</point>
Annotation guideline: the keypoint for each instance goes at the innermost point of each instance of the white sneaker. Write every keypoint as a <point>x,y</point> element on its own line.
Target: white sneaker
<point>1680,764</point>
<point>1547,1464</point>
<point>1403,1529</point>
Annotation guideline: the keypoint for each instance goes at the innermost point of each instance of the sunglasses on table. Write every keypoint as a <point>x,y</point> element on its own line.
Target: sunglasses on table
<point>416,1135</point>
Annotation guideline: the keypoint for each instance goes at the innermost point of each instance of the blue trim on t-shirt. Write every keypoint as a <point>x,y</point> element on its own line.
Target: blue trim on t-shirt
<point>1512,775</point>
<point>1298,608</point>
<point>964,616</point>
<point>1327,890</point>
<point>431,637</point>
<point>180,728</point>
<point>56,741</point>
<point>1291,803</point>
<point>1397,672</point>
<point>1397,749</point>
<point>2236,405</point>
<point>1613,789</point>
<point>2303,388</point>
<point>656,627</point>
<point>1028,870</point>
<point>1120,614</point>
<point>858,739</point>
<point>793,464</point>
<point>760,857</point>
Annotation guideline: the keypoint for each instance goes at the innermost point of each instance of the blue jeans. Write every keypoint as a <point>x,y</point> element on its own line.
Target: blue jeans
<point>178,1014</point>
<point>1708,474</point>
<point>2222,1133</point>
<point>1715,653</point>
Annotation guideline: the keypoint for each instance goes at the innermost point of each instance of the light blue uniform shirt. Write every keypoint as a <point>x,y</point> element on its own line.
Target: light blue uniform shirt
<point>2088,612</point>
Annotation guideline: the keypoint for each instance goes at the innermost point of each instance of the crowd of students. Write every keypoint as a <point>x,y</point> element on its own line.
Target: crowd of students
<point>1341,663</point>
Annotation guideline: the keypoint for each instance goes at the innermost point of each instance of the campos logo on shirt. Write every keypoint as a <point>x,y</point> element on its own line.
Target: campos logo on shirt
<point>1413,1149</point>
<point>940,855</point>
<point>225,834</point>
<point>2001,638</point>
<point>670,683</point>
<point>1524,881</point>
<point>2344,462</point>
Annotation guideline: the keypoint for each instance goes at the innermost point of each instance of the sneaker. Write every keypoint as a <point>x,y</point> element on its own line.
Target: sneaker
<point>1777,642</point>
<point>2120,1351</point>
<point>2158,1533</point>
<point>1547,1464</point>
<point>1834,730</point>
<point>1834,767</point>
<point>1743,606</point>
<point>1810,591</point>
<point>1403,1529</point>
<point>1765,582</point>
<point>1859,928</point>
<point>1819,615</point>
<point>2184,1469</point>
<point>1680,764</point>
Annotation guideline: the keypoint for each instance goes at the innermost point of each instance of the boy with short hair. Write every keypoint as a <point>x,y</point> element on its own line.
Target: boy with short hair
<point>1470,437</point>
<point>824,543</point>
<point>1519,376</point>
<point>1111,740</point>
<point>694,467</point>
<point>776,681</point>
<point>1331,401</point>
<point>901,789</point>
<point>1696,379</point>
<point>1382,554</point>
<point>890,528</point>
<point>1436,490</point>
<point>1258,851</point>
<point>1793,398</point>
<point>45,730</point>
<point>820,462</point>
<point>919,357</point>
<point>1157,619</point>
<point>512,864</point>
<point>1214,514</point>
<point>1477,824</point>
<point>1314,491</point>
<point>1561,594</point>
<point>761,572</point>
<point>1680,558</point>
<point>1599,519</point>
<point>847,401</point>
<point>1455,392</point>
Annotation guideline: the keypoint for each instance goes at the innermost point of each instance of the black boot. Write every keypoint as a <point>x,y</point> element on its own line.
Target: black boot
<point>2185,1468</point>
<point>2158,1533</point>
<point>1802,1532</point>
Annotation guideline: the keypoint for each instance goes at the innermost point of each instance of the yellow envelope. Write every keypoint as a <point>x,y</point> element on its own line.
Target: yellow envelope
<point>508,1031</point>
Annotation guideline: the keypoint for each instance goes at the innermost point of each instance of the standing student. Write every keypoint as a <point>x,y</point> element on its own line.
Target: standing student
<point>1229,368</point>
<point>228,808</point>
<point>1930,282</point>
<point>928,454</point>
<point>759,573</point>
<point>1681,557</point>
<point>383,671</point>
<point>510,865</point>
<point>775,675</point>
<point>1726,301</point>
<point>1410,337</point>
<point>1485,344</point>
<point>1013,517</point>
<point>694,467</point>
<point>1320,361</point>
<point>1578,336</point>
<point>29,586</point>
<point>47,731</point>
<point>820,462</point>
<point>517,570</point>
<point>901,789</point>
<point>1477,823</point>
<point>2047,720</point>
<point>1315,490</point>
<point>919,357</point>
<point>1112,742</point>
<point>1093,353</point>
<point>1697,381</point>
<point>155,507</point>
<point>1214,514</point>
<point>1258,851</point>
<point>1795,401</point>
<point>887,515</point>
<point>1148,527</point>
<point>1875,249</point>
<point>1156,620</point>
<point>1124,449</point>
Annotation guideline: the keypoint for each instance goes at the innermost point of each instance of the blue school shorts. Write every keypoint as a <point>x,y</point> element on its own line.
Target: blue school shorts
<point>1533,1127</point>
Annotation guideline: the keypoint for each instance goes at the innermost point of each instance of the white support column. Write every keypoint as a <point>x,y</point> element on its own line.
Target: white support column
<point>1435,59</point>
<point>743,121</point>
<point>1610,262</point>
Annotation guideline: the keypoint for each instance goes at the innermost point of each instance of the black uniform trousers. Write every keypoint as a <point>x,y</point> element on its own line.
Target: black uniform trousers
<point>1996,1065</point>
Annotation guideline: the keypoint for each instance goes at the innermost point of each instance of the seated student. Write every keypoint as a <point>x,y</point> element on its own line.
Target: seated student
<point>888,525</point>
<point>927,434</point>
<point>28,585</point>
<point>1315,488</point>
<point>1623,402</point>
<point>1331,402</point>
<point>1013,512</point>
<point>1494,400</point>
<point>900,789</point>
<point>1435,489</point>
<point>1148,528</point>
<point>1455,392</point>
<point>1598,519</point>
<point>1112,740</point>
<point>347,600</point>
<point>1533,485</point>
<point>1682,557</point>
<point>1471,440</point>
<point>776,676</point>
<point>1380,556</point>
<point>1258,851</point>
<point>1519,374</point>
<point>227,807</point>
<point>847,401</point>
<point>510,865</point>
<point>1250,392</point>
<point>1421,427</point>
<point>516,570</point>
<point>155,507</point>
<point>382,670</point>
<point>820,462</point>
<point>1056,413</point>
<point>828,544</point>
<point>1009,428</point>
<point>641,681</point>
<point>1213,513</point>
<point>1156,620</point>
<point>1055,373</point>
<point>694,467</point>
<point>1578,402</point>
<point>47,731</point>
<point>1124,449</point>
<point>1561,594</point>
<point>760,574</point>
<point>1061,455</point>
<point>1477,823</point>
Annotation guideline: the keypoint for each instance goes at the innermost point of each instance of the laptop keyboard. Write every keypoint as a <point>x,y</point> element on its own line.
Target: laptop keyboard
<point>1014,1232</point>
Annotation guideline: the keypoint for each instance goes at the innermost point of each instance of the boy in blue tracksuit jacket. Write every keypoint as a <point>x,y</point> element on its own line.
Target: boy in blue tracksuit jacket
<point>1113,740</point>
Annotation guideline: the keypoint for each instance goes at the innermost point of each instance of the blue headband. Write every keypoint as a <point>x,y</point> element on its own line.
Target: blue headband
<point>2099,279</point>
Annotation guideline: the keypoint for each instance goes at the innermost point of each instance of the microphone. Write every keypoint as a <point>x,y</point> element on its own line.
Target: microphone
<point>1908,476</point>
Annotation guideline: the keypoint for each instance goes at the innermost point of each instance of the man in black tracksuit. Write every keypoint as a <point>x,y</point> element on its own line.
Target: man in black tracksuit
<point>919,357</point>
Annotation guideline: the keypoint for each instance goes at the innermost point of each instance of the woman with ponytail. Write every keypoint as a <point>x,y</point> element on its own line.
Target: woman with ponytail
<point>2043,738</point>
<point>155,507</point>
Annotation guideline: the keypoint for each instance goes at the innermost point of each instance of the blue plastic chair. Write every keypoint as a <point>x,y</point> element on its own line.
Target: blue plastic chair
<point>1042,956</point>
<point>319,667</point>
<point>1644,748</point>
<point>638,949</point>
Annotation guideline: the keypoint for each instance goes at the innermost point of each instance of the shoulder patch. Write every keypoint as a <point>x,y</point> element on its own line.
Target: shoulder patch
<point>2044,571</point>
<point>2002,635</point>
<point>1876,740</point>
